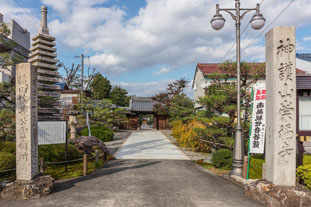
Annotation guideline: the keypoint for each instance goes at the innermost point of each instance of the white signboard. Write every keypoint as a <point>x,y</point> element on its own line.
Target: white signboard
<point>52,132</point>
<point>258,129</point>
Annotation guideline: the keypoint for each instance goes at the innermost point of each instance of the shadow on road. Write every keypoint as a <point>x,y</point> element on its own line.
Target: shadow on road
<point>111,167</point>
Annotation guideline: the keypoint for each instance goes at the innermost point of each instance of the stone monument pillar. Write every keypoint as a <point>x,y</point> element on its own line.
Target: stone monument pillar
<point>73,123</point>
<point>26,122</point>
<point>281,106</point>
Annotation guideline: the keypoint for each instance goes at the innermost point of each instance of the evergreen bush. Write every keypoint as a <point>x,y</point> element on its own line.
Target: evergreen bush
<point>222,158</point>
<point>7,161</point>
<point>304,175</point>
<point>56,152</point>
<point>9,147</point>
<point>103,133</point>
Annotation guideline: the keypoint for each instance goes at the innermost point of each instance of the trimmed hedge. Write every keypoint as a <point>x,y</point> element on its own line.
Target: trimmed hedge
<point>7,161</point>
<point>103,133</point>
<point>50,153</point>
<point>304,175</point>
<point>9,147</point>
<point>56,152</point>
<point>255,167</point>
<point>222,158</point>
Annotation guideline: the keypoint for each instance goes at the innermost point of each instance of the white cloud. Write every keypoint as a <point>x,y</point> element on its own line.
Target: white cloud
<point>306,39</point>
<point>143,89</point>
<point>174,33</point>
<point>23,16</point>
<point>150,88</point>
<point>162,71</point>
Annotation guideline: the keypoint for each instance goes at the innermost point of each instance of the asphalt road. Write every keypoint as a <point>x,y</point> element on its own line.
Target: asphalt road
<point>144,183</point>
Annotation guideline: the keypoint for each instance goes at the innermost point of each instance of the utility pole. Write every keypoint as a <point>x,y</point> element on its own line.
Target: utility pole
<point>82,70</point>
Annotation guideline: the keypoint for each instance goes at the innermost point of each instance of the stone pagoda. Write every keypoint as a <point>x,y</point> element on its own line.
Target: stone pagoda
<point>43,56</point>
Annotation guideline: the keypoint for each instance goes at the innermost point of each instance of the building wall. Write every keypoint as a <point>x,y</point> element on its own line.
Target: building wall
<point>4,78</point>
<point>198,88</point>
<point>20,35</point>
<point>68,98</point>
<point>303,65</point>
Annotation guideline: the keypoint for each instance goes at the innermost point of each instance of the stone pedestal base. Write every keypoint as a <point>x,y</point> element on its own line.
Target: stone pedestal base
<point>36,188</point>
<point>274,196</point>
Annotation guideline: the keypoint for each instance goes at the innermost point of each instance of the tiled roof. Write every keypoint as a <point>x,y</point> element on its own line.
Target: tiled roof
<point>209,68</point>
<point>141,104</point>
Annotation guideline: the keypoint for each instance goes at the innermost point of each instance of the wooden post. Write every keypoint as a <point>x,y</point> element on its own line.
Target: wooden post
<point>245,167</point>
<point>96,157</point>
<point>84,164</point>
<point>42,166</point>
<point>106,155</point>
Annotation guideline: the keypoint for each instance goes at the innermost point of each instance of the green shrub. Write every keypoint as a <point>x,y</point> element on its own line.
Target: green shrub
<point>255,167</point>
<point>56,152</point>
<point>306,159</point>
<point>304,175</point>
<point>222,159</point>
<point>8,147</point>
<point>7,161</point>
<point>103,133</point>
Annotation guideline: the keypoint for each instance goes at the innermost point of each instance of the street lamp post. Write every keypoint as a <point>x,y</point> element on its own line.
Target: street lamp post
<point>257,22</point>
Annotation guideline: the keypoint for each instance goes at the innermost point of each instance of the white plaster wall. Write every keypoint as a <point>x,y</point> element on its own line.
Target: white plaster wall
<point>4,78</point>
<point>20,35</point>
<point>199,91</point>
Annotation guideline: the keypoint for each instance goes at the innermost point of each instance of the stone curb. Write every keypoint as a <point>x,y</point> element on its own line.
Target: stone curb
<point>273,195</point>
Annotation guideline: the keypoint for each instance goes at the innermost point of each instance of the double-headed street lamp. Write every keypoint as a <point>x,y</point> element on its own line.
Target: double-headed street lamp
<point>257,22</point>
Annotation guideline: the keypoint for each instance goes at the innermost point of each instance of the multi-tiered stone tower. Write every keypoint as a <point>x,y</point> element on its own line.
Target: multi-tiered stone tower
<point>43,56</point>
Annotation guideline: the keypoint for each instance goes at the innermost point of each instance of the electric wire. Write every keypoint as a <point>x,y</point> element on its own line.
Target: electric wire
<point>36,21</point>
<point>267,26</point>
<point>227,53</point>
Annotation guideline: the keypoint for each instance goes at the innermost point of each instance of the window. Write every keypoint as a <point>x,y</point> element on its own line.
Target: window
<point>304,113</point>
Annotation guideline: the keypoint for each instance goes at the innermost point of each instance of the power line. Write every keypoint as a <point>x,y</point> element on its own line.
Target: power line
<point>227,53</point>
<point>30,15</point>
<point>268,26</point>
<point>35,20</point>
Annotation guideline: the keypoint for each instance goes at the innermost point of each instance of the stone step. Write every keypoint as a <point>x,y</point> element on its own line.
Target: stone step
<point>49,110</point>
<point>43,59</point>
<point>49,117</point>
<point>49,102</point>
<point>45,66</point>
<point>42,53</point>
<point>48,79</point>
<point>43,36</point>
<point>43,42</point>
<point>48,72</point>
<point>44,48</point>
<point>49,94</point>
<point>48,86</point>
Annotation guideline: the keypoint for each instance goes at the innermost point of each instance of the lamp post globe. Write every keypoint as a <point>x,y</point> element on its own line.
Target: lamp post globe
<point>258,21</point>
<point>218,22</point>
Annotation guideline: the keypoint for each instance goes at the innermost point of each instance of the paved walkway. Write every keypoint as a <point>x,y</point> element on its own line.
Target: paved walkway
<point>149,144</point>
<point>144,183</point>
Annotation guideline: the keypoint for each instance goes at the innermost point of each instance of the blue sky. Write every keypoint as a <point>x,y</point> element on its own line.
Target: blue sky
<point>143,45</point>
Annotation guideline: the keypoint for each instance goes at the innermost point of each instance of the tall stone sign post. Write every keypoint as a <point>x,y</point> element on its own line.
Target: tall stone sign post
<point>26,122</point>
<point>281,106</point>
